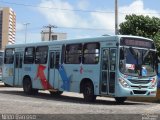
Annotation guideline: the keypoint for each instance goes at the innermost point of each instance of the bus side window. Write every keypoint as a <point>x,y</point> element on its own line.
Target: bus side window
<point>91,53</point>
<point>29,55</point>
<point>9,56</point>
<point>41,55</point>
<point>73,54</point>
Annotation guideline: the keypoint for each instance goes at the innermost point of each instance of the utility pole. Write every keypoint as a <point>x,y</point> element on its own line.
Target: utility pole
<point>50,29</point>
<point>116,17</point>
<point>26,24</point>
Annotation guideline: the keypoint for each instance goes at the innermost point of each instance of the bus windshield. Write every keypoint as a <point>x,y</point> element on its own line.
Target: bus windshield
<point>137,62</point>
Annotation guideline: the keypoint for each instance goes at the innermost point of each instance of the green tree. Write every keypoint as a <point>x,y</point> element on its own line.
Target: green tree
<point>140,25</point>
<point>157,41</point>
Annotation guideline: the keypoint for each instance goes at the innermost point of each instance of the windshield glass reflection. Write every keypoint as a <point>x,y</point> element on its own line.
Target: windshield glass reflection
<point>137,62</point>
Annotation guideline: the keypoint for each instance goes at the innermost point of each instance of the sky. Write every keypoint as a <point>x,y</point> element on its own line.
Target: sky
<point>77,18</point>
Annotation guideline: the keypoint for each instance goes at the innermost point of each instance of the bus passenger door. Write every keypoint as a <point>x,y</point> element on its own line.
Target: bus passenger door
<point>108,69</point>
<point>104,87</point>
<point>53,69</point>
<point>18,68</point>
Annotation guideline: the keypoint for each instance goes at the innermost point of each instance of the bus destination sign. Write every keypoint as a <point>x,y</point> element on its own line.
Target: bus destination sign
<point>137,43</point>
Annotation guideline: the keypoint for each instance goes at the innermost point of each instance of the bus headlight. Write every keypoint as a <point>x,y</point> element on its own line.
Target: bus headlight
<point>153,83</point>
<point>123,83</point>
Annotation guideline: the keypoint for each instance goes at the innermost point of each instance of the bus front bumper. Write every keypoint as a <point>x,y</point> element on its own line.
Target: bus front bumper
<point>128,92</point>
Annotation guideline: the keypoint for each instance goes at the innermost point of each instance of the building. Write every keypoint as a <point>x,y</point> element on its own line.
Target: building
<point>7,27</point>
<point>54,36</point>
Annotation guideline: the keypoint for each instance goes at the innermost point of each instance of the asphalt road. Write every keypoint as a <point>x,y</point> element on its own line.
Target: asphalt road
<point>70,106</point>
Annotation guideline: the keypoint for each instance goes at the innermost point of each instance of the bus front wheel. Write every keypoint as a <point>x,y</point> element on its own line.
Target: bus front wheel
<point>88,92</point>
<point>120,100</point>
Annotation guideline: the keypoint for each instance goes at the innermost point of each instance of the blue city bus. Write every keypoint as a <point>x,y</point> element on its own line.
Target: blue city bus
<point>119,66</point>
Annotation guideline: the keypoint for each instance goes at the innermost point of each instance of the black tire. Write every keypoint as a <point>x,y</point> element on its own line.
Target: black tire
<point>88,92</point>
<point>120,100</point>
<point>27,86</point>
<point>57,93</point>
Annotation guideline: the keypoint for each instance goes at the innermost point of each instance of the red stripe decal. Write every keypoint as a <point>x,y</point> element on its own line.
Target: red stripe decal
<point>41,75</point>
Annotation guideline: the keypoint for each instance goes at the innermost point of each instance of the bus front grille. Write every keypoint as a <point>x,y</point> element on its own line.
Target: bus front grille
<point>140,81</point>
<point>139,92</point>
<point>139,86</point>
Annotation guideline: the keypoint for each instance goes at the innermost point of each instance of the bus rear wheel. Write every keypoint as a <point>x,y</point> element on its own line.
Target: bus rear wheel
<point>27,87</point>
<point>120,100</point>
<point>88,92</point>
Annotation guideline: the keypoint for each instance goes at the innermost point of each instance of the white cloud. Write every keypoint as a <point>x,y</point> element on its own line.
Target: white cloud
<point>20,35</point>
<point>108,20</point>
<point>137,7</point>
<point>19,27</point>
<point>31,37</point>
<point>105,21</point>
<point>83,4</point>
<point>60,17</point>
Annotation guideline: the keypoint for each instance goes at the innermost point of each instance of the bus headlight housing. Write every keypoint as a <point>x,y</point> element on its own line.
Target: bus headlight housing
<point>123,83</point>
<point>153,83</point>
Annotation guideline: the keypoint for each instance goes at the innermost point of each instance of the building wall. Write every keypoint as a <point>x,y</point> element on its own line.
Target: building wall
<point>8,27</point>
<point>1,13</point>
<point>54,36</point>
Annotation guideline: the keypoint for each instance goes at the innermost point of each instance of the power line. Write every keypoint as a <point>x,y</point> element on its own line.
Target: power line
<point>99,29</point>
<point>77,10</point>
<point>75,28</point>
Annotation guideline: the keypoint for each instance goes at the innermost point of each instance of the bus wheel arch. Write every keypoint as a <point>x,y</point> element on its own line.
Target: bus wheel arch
<point>87,88</point>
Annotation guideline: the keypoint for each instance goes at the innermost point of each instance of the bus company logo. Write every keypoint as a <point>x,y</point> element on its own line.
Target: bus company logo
<point>139,86</point>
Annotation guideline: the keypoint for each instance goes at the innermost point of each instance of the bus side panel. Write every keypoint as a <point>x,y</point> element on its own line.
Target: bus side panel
<point>75,73</point>
<point>69,78</point>
<point>8,74</point>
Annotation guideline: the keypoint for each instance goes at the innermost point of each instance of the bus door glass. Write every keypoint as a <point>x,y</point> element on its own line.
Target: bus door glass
<point>53,69</point>
<point>104,71</point>
<point>108,68</point>
<point>112,74</point>
<point>18,68</point>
